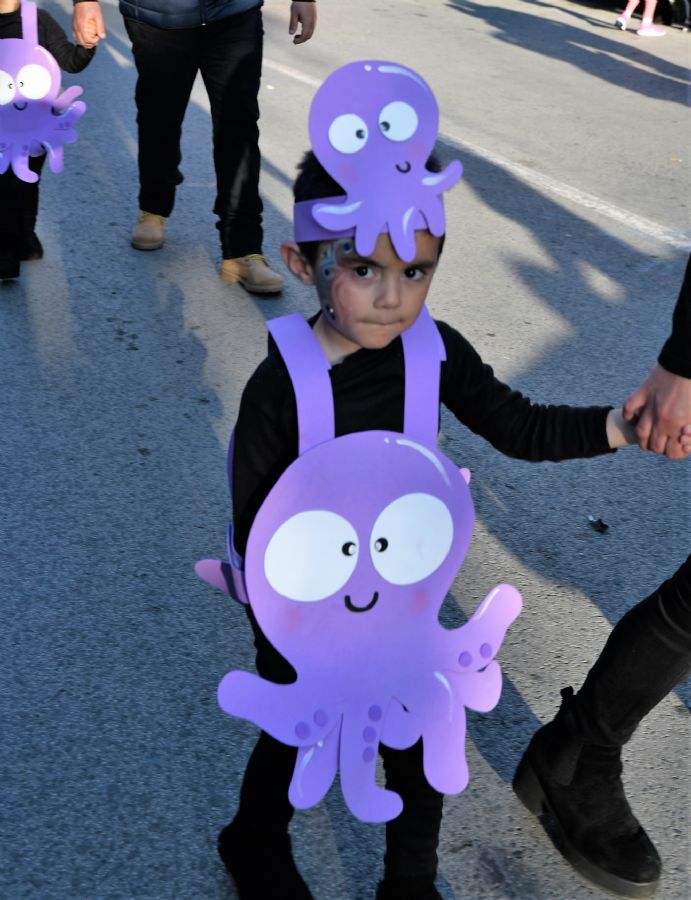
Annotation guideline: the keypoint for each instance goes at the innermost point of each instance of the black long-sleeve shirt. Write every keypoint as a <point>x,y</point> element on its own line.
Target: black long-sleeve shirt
<point>676,353</point>
<point>368,389</point>
<point>69,57</point>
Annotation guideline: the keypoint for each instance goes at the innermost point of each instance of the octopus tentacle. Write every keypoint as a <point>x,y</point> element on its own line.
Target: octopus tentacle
<point>68,96</point>
<point>360,733</point>
<point>20,165</point>
<point>446,772</point>
<point>287,712</point>
<point>315,770</point>
<point>472,646</point>
<point>402,728</point>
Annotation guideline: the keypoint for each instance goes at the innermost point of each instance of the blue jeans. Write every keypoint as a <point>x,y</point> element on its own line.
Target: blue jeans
<point>228,53</point>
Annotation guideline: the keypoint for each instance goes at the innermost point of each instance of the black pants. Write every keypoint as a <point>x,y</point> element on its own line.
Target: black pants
<point>646,655</point>
<point>411,839</point>
<point>228,54</point>
<point>19,204</point>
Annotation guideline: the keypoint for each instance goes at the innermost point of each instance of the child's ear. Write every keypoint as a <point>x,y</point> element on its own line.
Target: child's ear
<point>296,263</point>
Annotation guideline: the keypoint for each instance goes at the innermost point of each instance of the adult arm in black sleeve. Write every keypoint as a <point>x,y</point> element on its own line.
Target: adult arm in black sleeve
<point>661,406</point>
<point>676,353</point>
<point>510,421</point>
<point>69,57</point>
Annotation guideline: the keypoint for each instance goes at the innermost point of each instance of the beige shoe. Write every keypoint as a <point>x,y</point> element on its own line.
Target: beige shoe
<point>253,273</point>
<point>147,233</point>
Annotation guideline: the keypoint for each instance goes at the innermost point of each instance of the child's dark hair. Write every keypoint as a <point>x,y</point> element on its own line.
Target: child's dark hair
<point>313,182</point>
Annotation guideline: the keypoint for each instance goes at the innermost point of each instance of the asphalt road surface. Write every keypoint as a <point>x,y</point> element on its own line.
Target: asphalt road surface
<point>121,377</point>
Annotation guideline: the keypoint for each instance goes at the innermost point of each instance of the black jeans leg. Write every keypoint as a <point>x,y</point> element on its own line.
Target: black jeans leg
<point>19,204</point>
<point>167,60</point>
<point>231,63</point>
<point>646,655</point>
<point>412,838</point>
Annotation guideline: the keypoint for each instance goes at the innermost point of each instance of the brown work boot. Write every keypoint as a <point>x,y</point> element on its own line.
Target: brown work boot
<point>147,233</point>
<point>253,273</point>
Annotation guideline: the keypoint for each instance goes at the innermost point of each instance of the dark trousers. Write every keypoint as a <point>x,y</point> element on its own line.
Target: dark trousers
<point>411,839</point>
<point>646,655</point>
<point>228,54</point>
<point>19,204</point>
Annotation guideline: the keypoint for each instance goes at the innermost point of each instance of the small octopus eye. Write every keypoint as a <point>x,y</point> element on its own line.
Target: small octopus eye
<point>398,121</point>
<point>348,549</point>
<point>381,544</point>
<point>348,133</point>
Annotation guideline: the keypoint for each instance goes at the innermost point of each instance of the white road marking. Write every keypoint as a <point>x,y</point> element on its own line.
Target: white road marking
<point>661,233</point>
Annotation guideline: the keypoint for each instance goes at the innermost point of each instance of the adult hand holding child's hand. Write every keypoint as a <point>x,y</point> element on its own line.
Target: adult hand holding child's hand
<point>88,26</point>
<point>661,411</point>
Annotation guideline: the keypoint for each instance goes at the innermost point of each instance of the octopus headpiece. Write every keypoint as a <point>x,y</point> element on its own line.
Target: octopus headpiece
<point>33,118</point>
<point>348,562</point>
<point>373,126</point>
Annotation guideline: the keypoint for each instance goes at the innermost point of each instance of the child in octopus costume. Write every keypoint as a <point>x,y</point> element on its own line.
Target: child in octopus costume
<point>351,523</point>
<point>36,120</point>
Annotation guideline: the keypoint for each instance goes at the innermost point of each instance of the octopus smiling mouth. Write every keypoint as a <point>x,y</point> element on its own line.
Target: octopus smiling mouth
<point>20,106</point>
<point>406,167</point>
<point>350,605</point>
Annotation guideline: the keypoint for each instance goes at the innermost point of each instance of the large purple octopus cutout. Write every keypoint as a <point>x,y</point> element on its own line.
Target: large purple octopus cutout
<point>373,125</point>
<point>348,562</point>
<point>33,118</point>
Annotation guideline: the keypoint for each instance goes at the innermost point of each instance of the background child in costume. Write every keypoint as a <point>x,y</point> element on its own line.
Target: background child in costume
<point>366,303</point>
<point>19,199</point>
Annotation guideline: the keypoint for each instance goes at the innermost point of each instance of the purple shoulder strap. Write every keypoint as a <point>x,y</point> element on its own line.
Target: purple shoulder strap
<point>29,23</point>
<point>423,352</point>
<point>309,371</point>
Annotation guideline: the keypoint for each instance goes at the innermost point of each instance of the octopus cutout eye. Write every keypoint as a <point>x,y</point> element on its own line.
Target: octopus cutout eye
<point>7,88</point>
<point>348,133</point>
<point>33,81</point>
<point>398,121</point>
<point>418,533</point>
<point>311,556</point>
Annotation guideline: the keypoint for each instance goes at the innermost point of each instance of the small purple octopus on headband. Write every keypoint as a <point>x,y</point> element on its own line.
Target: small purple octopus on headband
<point>373,125</point>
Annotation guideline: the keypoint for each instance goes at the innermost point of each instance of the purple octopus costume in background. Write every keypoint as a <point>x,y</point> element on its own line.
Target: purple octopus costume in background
<point>355,547</point>
<point>33,118</point>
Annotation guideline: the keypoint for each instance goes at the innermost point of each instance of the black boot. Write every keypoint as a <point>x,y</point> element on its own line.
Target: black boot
<point>261,866</point>
<point>576,791</point>
<point>414,888</point>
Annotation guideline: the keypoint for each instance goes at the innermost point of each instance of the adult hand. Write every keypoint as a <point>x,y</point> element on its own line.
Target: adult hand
<point>304,14</point>
<point>660,408</point>
<point>88,26</point>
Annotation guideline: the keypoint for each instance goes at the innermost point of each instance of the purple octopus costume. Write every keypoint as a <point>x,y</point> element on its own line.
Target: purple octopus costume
<point>33,118</point>
<point>354,549</point>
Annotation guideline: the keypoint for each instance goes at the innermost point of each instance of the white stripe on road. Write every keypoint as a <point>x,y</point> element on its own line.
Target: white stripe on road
<point>651,229</point>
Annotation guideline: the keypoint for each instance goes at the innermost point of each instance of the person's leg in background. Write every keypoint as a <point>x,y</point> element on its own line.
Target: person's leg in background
<point>231,63</point>
<point>167,64</point>
<point>571,771</point>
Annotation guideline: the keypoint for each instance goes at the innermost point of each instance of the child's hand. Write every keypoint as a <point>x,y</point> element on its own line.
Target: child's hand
<point>619,431</point>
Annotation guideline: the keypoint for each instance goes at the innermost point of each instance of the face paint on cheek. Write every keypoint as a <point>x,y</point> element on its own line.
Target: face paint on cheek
<point>329,266</point>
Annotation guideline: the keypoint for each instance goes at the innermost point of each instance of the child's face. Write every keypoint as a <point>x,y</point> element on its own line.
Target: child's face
<point>367,302</point>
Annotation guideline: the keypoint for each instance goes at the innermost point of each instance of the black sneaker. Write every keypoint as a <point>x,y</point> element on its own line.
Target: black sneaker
<point>577,794</point>
<point>262,867</point>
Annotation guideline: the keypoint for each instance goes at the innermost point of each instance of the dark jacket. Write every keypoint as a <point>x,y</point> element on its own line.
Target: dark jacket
<point>183,13</point>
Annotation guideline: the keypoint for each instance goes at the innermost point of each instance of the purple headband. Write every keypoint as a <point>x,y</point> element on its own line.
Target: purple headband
<point>373,125</point>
